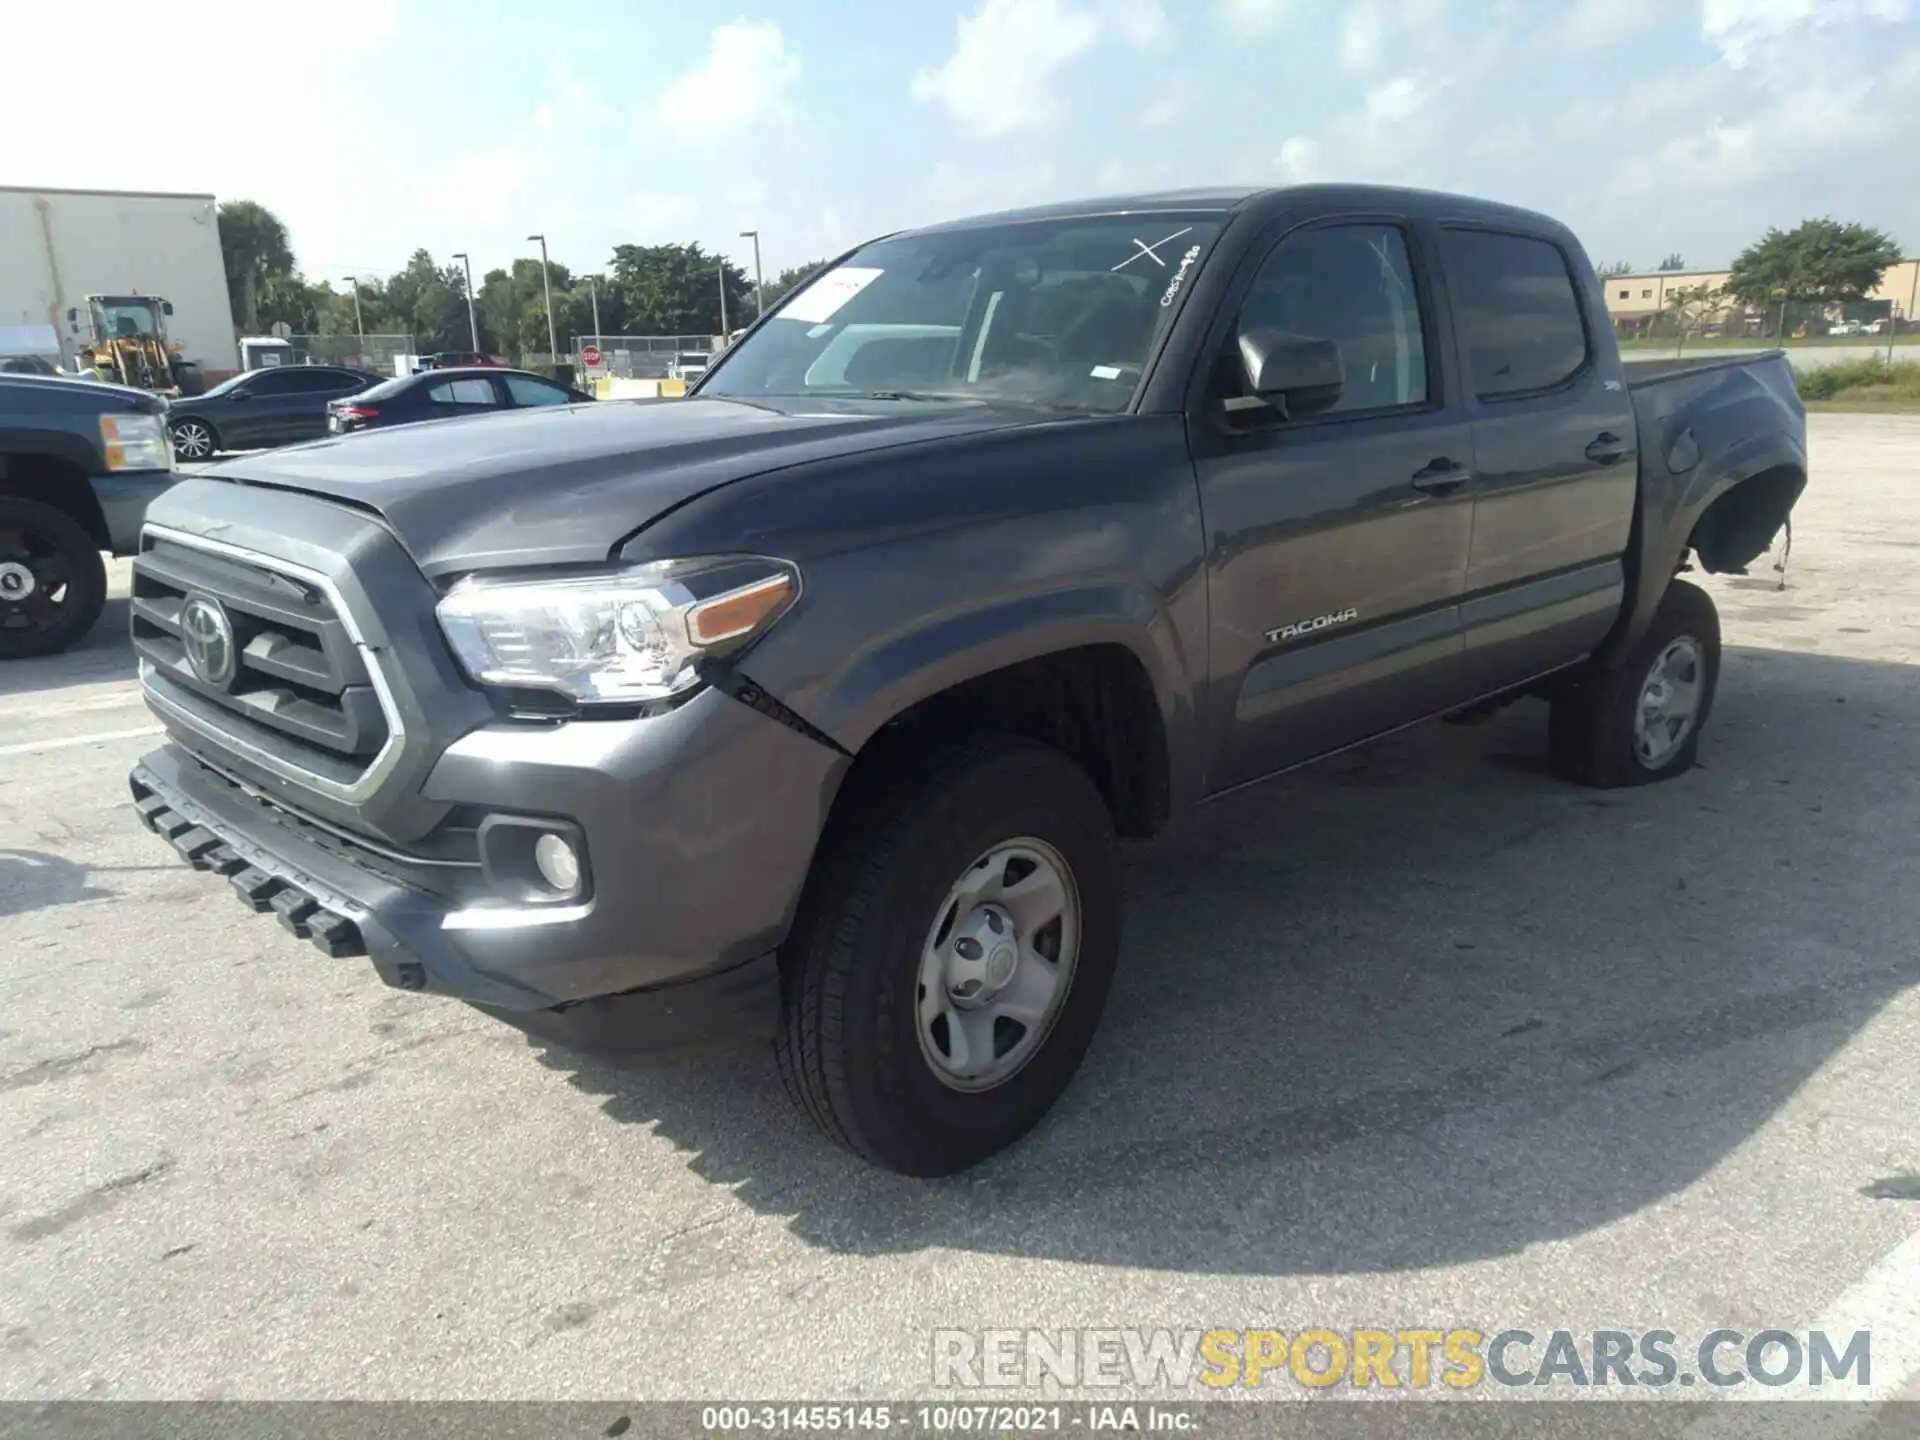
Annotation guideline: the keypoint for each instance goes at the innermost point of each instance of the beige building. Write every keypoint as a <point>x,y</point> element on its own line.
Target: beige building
<point>1635,301</point>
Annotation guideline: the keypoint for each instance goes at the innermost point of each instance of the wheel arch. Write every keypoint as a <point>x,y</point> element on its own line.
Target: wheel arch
<point>1725,510</point>
<point>1093,671</point>
<point>58,480</point>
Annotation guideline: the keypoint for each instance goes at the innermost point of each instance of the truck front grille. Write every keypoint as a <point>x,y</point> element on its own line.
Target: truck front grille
<point>299,695</point>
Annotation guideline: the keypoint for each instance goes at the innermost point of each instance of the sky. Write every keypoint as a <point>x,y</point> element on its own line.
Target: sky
<point>377,127</point>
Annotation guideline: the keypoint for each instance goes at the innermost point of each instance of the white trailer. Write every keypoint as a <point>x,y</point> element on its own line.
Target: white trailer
<point>59,246</point>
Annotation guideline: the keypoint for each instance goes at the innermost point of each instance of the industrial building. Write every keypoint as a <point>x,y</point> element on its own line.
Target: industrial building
<point>1635,302</point>
<point>57,247</point>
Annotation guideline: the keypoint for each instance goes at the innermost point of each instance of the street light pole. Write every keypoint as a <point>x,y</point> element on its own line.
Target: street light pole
<point>593,294</point>
<point>473,324</point>
<point>725,334</point>
<point>546,278</point>
<point>759,289</point>
<point>359,325</point>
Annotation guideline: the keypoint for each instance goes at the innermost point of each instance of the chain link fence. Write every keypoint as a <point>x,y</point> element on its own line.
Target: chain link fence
<point>638,357</point>
<point>361,352</point>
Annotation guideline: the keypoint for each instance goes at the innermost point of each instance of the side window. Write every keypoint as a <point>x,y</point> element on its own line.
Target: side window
<point>528,391</point>
<point>1353,285</point>
<point>315,382</point>
<point>1518,310</point>
<point>277,382</point>
<point>470,391</point>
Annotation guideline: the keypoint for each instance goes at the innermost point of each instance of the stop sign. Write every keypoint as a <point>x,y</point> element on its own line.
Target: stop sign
<point>590,354</point>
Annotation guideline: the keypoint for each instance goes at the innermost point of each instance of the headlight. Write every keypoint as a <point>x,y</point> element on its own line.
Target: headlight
<point>136,442</point>
<point>619,638</point>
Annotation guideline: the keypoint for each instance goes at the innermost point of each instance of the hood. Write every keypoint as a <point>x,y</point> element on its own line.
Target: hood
<point>567,484</point>
<point>70,391</point>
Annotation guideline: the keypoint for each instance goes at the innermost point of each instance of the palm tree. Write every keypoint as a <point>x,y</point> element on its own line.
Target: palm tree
<point>254,245</point>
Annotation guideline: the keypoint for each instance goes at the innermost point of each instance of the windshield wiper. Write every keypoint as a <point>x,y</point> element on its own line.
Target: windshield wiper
<point>903,395</point>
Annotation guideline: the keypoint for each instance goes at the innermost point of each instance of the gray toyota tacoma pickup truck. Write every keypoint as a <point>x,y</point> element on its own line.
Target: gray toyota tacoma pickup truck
<point>818,699</point>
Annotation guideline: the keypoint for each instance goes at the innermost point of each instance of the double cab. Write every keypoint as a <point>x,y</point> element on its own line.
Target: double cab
<point>817,701</point>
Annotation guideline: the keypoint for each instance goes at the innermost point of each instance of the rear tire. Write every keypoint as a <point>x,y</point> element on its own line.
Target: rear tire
<point>53,581</point>
<point>929,845</point>
<point>1640,721</point>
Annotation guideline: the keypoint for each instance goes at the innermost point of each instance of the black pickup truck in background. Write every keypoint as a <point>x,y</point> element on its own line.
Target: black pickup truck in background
<point>819,697</point>
<point>79,464</point>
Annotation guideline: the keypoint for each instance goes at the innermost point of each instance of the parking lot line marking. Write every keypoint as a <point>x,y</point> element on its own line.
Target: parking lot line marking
<point>1884,1302</point>
<point>69,742</point>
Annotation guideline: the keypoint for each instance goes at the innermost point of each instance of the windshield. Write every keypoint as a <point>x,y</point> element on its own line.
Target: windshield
<point>123,318</point>
<point>225,385</point>
<point>386,388</point>
<point>1058,314</point>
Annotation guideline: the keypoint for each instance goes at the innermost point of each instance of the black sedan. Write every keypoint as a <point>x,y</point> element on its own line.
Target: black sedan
<point>275,406</point>
<point>444,394</point>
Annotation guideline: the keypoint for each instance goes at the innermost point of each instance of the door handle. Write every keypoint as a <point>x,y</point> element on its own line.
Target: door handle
<point>1440,477</point>
<point>1607,449</point>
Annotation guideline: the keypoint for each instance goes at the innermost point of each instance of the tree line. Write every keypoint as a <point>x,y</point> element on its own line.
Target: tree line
<point>1817,263</point>
<point>644,290</point>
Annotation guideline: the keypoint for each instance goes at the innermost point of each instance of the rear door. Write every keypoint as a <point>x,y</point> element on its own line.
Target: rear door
<point>1556,467</point>
<point>526,390</point>
<point>1337,545</point>
<point>304,415</point>
<point>461,395</point>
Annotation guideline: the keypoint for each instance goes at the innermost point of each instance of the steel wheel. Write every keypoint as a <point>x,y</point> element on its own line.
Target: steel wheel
<point>1669,704</point>
<point>192,440</point>
<point>997,964</point>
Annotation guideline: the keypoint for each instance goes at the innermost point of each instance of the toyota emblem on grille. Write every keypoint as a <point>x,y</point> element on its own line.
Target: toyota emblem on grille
<point>206,634</point>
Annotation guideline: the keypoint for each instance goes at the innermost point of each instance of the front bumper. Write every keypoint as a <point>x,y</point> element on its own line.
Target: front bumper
<point>124,496</point>
<point>699,828</point>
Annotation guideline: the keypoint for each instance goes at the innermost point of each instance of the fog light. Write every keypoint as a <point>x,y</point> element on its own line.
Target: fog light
<point>559,862</point>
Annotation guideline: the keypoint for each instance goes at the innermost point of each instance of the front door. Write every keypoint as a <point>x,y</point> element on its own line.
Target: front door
<point>1337,543</point>
<point>261,418</point>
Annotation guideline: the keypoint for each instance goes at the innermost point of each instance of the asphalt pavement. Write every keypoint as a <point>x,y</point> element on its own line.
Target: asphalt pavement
<point>1419,1037</point>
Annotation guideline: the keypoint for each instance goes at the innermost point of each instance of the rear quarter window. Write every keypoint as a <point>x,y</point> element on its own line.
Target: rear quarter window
<point>1518,311</point>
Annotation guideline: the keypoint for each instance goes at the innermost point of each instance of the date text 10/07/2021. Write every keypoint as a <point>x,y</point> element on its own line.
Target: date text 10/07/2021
<point>949,1419</point>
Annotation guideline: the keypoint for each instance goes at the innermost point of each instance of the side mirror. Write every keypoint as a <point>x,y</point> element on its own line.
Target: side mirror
<point>1299,375</point>
<point>166,307</point>
<point>73,317</point>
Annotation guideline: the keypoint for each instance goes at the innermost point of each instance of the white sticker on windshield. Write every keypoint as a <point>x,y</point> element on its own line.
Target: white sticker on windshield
<point>1105,372</point>
<point>832,290</point>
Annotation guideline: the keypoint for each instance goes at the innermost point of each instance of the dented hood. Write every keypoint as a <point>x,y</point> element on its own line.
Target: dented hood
<point>567,484</point>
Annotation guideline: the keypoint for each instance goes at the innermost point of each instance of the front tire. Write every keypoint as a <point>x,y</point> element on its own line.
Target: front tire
<point>193,439</point>
<point>53,581</point>
<point>953,956</point>
<point>1640,721</point>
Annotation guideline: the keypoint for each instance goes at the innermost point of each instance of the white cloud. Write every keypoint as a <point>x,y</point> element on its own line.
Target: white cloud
<point>1396,101</point>
<point>1363,30</point>
<point>999,80</point>
<point>1595,24</point>
<point>1254,17</point>
<point>747,76</point>
<point>1141,23</point>
<point>1736,27</point>
<point>1370,30</point>
<point>1299,161</point>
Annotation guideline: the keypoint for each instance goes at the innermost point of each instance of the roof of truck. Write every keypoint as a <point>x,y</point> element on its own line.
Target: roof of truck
<point>1224,200</point>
